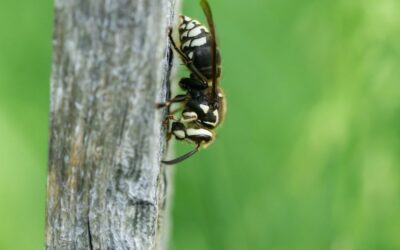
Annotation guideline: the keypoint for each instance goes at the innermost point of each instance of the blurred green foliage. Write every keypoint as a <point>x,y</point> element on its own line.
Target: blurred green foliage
<point>25,55</point>
<point>308,157</point>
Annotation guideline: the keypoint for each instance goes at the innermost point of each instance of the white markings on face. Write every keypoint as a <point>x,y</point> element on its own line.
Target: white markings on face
<point>220,95</point>
<point>186,18</point>
<point>210,123</point>
<point>190,55</point>
<point>195,32</point>
<point>198,42</point>
<point>215,113</point>
<point>200,131</point>
<point>205,108</point>
<point>180,134</point>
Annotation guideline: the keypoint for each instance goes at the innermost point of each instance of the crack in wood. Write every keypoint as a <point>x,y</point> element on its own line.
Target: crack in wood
<point>90,235</point>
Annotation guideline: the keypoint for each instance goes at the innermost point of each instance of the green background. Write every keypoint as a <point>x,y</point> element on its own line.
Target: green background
<point>309,154</point>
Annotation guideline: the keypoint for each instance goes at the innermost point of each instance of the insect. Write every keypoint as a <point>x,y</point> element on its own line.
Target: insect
<point>203,103</point>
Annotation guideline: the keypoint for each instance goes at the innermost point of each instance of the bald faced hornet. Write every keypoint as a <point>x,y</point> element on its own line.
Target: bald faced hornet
<point>203,103</point>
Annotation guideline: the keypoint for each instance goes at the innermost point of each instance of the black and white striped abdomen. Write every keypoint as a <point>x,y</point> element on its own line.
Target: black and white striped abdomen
<point>192,35</point>
<point>195,44</point>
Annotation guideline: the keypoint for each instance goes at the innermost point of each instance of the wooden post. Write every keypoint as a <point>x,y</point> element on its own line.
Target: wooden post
<point>111,63</point>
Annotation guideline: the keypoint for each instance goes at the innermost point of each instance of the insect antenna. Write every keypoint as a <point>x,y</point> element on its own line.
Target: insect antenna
<point>207,11</point>
<point>182,157</point>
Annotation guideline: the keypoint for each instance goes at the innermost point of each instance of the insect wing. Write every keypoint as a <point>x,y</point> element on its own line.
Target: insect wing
<point>207,11</point>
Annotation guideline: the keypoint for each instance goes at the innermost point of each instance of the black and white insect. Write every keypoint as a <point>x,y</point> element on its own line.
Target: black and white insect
<point>203,104</point>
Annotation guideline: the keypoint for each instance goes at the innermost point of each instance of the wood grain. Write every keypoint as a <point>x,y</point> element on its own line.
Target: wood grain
<point>111,64</point>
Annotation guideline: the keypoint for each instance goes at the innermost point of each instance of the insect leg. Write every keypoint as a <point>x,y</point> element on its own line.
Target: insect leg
<point>182,157</point>
<point>169,136</point>
<point>178,98</point>
<point>186,60</point>
<point>188,116</point>
<point>169,118</point>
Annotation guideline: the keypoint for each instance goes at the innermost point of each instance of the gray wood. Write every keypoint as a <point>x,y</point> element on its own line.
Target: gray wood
<point>106,187</point>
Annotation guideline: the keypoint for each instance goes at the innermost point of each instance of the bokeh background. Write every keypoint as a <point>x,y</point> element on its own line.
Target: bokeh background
<point>308,157</point>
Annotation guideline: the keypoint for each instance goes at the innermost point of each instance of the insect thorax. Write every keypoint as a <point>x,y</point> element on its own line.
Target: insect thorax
<point>207,111</point>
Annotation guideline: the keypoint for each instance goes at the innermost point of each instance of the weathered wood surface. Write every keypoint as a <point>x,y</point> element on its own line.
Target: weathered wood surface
<point>111,63</point>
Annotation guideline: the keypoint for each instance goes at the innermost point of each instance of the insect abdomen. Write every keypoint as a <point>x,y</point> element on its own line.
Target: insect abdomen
<point>195,44</point>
